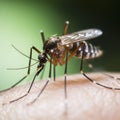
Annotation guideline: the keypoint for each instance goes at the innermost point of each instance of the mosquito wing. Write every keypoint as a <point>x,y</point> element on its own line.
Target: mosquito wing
<point>80,36</point>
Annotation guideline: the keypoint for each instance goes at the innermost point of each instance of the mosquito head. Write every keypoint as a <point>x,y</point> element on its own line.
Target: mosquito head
<point>42,58</point>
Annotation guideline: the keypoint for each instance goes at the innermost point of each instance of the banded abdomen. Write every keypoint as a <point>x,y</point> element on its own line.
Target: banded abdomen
<point>90,51</point>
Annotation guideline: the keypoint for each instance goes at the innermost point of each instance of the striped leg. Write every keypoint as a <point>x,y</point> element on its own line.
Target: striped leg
<point>66,61</point>
<point>86,76</point>
<point>65,76</point>
<point>103,73</point>
<point>46,83</point>
<point>36,50</point>
<point>29,66</point>
<point>28,89</point>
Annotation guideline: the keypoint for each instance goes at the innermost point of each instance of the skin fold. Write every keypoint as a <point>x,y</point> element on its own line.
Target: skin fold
<point>85,100</point>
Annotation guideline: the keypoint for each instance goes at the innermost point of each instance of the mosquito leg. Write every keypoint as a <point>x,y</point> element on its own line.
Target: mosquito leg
<point>65,76</point>
<point>28,72</point>
<point>42,36</point>
<point>111,76</point>
<point>39,93</point>
<point>14,84</point>
<point>88,78</point>
<point>50,69</point>
<point>31,49</point>
<point>103,73</point>
<point>28,89</point>
<point>54,72</point>
<point>66,61</point>
<point>66,27</point>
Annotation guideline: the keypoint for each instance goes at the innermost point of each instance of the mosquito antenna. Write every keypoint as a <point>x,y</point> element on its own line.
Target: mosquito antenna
<point>22,53</point>
<point>22,67</point>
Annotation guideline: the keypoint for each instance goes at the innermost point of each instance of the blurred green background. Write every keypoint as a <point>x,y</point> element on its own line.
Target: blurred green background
<point>21,22</point>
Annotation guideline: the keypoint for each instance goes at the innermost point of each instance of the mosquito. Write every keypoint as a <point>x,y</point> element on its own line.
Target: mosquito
<point>58,50</point>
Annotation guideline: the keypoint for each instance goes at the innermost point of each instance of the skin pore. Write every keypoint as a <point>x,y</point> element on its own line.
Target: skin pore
<point>85,100</point>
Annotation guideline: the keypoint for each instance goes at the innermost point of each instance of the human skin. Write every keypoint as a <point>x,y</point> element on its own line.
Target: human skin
<point>85,100</point>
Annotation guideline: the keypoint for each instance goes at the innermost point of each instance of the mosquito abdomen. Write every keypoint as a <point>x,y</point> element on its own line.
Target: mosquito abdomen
<point>89,50</point>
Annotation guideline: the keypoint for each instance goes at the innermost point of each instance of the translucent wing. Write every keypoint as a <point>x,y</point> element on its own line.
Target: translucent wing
<point>80,36</point>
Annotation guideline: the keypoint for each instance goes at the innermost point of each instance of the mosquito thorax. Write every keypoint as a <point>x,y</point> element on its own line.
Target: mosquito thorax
<point>51,44</point>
